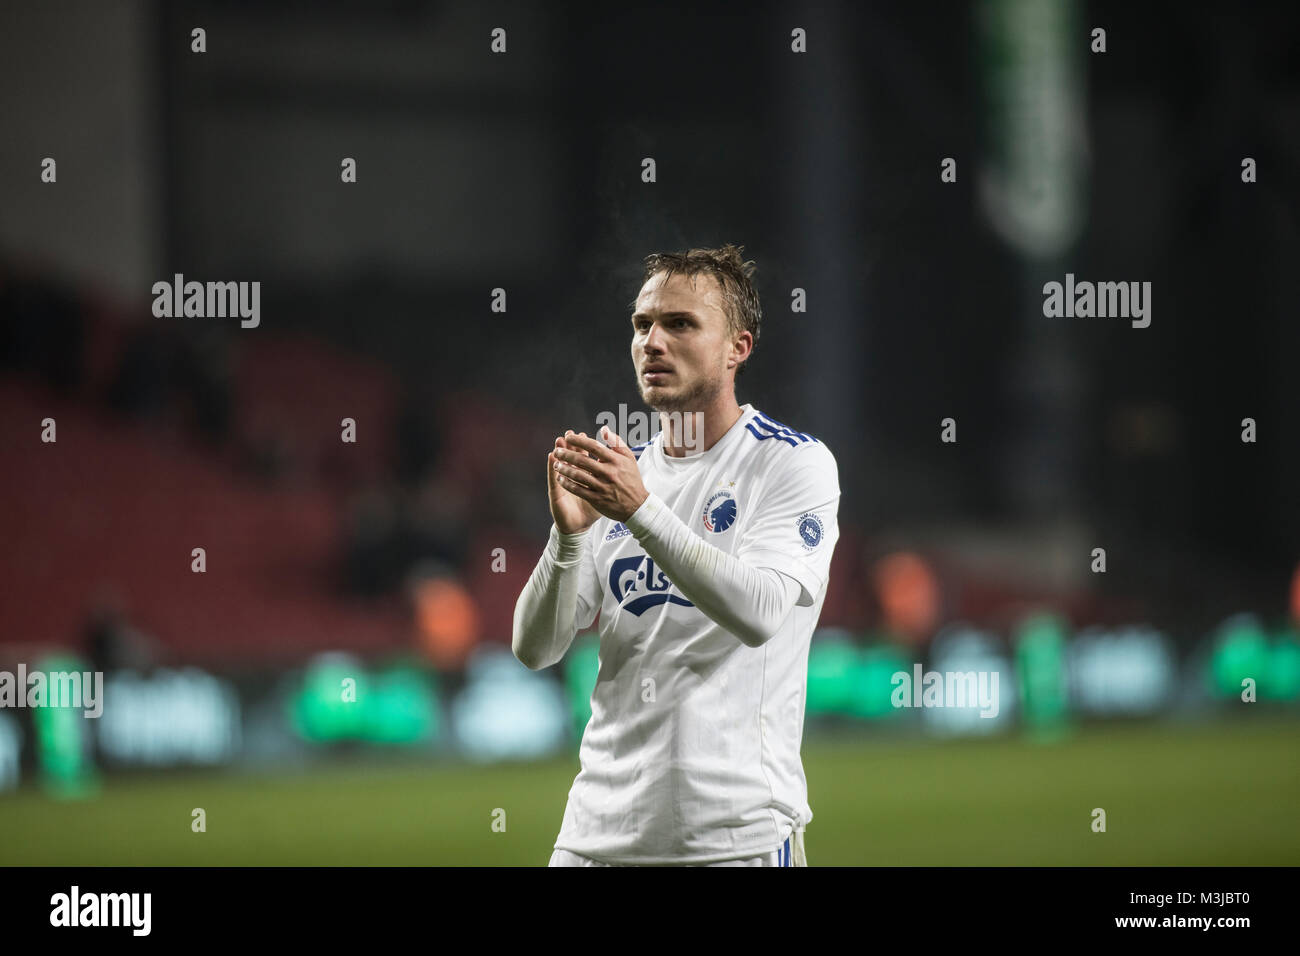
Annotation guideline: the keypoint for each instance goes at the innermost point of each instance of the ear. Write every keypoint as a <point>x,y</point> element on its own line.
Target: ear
<point>741,348</point>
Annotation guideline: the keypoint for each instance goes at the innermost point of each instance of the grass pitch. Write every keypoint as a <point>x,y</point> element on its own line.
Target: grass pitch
<point>1220,794</point>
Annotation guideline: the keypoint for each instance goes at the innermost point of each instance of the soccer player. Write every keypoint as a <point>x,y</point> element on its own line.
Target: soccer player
<point>706,552</point>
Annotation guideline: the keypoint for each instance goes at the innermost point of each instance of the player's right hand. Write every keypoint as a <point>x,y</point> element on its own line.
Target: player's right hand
<point>570,513</point>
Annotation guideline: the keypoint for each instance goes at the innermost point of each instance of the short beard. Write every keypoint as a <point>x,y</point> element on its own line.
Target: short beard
<point>701,396</point>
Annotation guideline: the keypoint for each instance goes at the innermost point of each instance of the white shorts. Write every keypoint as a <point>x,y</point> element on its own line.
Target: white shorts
<point>790,853</point>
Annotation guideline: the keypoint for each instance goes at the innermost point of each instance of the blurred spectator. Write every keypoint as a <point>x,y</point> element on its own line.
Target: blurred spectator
<point>42,329</point>
<point>390,533</point>
<point>203,375</point>
<point>908,593</point>
<point>435,525</point>
<point>140,388</point>
<point>418,443</point>
<point>1295,597</point>
<point>111,642</point>
<point>447,620</point>
<point>371,560</point>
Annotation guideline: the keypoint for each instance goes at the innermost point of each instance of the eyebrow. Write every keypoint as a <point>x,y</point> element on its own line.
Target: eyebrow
<point>666,315</point>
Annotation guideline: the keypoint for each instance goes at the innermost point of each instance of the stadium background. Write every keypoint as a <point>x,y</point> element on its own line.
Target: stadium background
<point>395,560</point>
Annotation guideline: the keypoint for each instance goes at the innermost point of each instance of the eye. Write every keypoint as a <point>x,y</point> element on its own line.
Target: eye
<point>682,323</point>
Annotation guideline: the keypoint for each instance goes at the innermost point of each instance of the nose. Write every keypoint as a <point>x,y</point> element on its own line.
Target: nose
<point>652,344</point>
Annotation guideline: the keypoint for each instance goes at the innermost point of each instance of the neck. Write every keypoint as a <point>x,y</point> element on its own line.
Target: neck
<point>693,432</point>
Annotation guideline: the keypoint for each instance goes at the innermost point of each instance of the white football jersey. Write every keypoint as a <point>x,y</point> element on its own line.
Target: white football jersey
<point>692,751</point>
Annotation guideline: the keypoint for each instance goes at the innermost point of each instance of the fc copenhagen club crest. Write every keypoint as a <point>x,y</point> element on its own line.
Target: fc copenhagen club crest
<point>720,512</point>
<point>810,530</point>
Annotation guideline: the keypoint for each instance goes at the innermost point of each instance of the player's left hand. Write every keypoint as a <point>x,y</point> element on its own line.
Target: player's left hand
<point>605,476</point>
